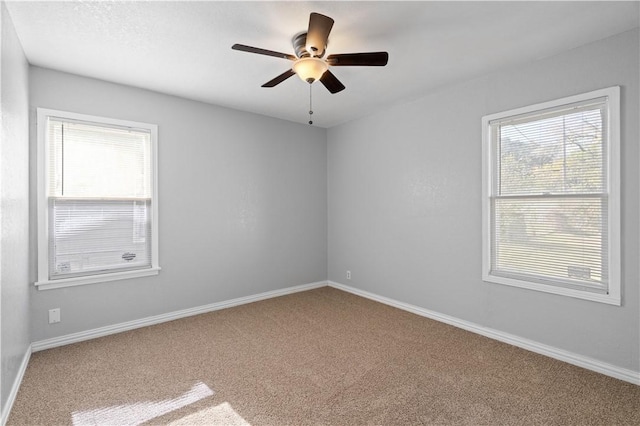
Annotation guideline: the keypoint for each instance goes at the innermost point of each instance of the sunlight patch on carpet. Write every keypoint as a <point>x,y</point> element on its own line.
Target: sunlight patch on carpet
<point>222,414</point>
<point>139,412</point>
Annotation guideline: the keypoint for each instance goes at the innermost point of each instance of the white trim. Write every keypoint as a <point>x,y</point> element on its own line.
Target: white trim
<point>41,183</point>
<point>157,319</point>
<point>600,93</point>
<point>530,345</point>
<point>614,181</point>
<point>43,282</point>
<point>6,410</point>
<point>93,279</point>
<point>613,296</point>
<point>610,298</point>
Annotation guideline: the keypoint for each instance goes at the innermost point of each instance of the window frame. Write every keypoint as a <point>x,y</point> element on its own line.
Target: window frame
<point>612,107</point>
<point>43,281</point>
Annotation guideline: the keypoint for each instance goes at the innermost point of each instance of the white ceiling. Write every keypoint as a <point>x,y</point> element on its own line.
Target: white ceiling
<point>184,48</point>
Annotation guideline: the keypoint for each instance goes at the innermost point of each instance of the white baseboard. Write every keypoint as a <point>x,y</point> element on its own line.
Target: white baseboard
<point>157,319</point>
<point>550,351</point>
<point>530,345</point>
<point>14,388</point>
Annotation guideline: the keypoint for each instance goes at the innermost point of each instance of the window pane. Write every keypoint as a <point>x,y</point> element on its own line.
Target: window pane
<point>555,237</point>
<point>560,154</point>
<point>551,189</point>
<point>89,160</point>
<point>88,236</point>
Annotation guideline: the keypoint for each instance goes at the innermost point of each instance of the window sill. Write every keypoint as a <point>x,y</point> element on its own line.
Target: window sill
<point>94,279</point>
<point>611,299</point>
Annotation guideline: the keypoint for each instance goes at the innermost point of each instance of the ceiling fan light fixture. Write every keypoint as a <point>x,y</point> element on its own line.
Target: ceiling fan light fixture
<point>310,69</point>
<point>309,48</point>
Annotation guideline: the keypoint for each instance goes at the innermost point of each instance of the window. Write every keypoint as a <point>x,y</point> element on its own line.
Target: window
<point>97,199</point>
<point>551,207</point>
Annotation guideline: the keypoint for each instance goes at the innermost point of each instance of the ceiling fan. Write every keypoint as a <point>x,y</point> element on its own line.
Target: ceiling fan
<point>308,62</point>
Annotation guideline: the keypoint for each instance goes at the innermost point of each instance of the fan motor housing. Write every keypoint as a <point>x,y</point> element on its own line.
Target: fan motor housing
<point>300,47</point>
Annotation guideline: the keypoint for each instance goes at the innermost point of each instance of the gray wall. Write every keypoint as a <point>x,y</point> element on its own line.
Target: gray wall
<point>242,204</point>
<point>14,207</point>
<point>405,204</point>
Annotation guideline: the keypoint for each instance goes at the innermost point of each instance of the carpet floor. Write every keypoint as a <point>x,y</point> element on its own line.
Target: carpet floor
<point>320,357</point>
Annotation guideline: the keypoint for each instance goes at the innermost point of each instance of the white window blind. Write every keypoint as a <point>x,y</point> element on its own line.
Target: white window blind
<point>549,196</point>
<point>99,198</point>
<point>98,161</point>
<point>94,236</point>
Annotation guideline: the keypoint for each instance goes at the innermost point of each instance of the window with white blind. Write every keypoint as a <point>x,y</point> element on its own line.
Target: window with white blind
<point>551,207</point>
<point>97,199</point>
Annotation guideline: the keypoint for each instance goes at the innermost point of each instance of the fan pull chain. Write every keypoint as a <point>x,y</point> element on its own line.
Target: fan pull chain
<point>310,106</point>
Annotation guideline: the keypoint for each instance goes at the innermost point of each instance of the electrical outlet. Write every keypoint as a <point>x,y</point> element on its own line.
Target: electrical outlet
<point>348,275</point>
<point>54,315</point>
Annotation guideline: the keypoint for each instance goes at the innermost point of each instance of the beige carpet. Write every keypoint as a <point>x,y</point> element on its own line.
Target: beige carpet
<point>318,357</point>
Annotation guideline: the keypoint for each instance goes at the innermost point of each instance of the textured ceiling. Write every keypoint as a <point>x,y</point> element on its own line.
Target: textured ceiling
<point>184,48</point>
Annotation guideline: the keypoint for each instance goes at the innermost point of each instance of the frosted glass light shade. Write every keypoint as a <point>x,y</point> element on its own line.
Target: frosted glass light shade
<point>310,69</point>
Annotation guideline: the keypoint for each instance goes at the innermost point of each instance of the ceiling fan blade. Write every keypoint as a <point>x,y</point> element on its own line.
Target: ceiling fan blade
<point>279,79</point>
<point>330,81</point>
<point>259,51</point>
<point>318,34</point>
<point>371,59</point>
